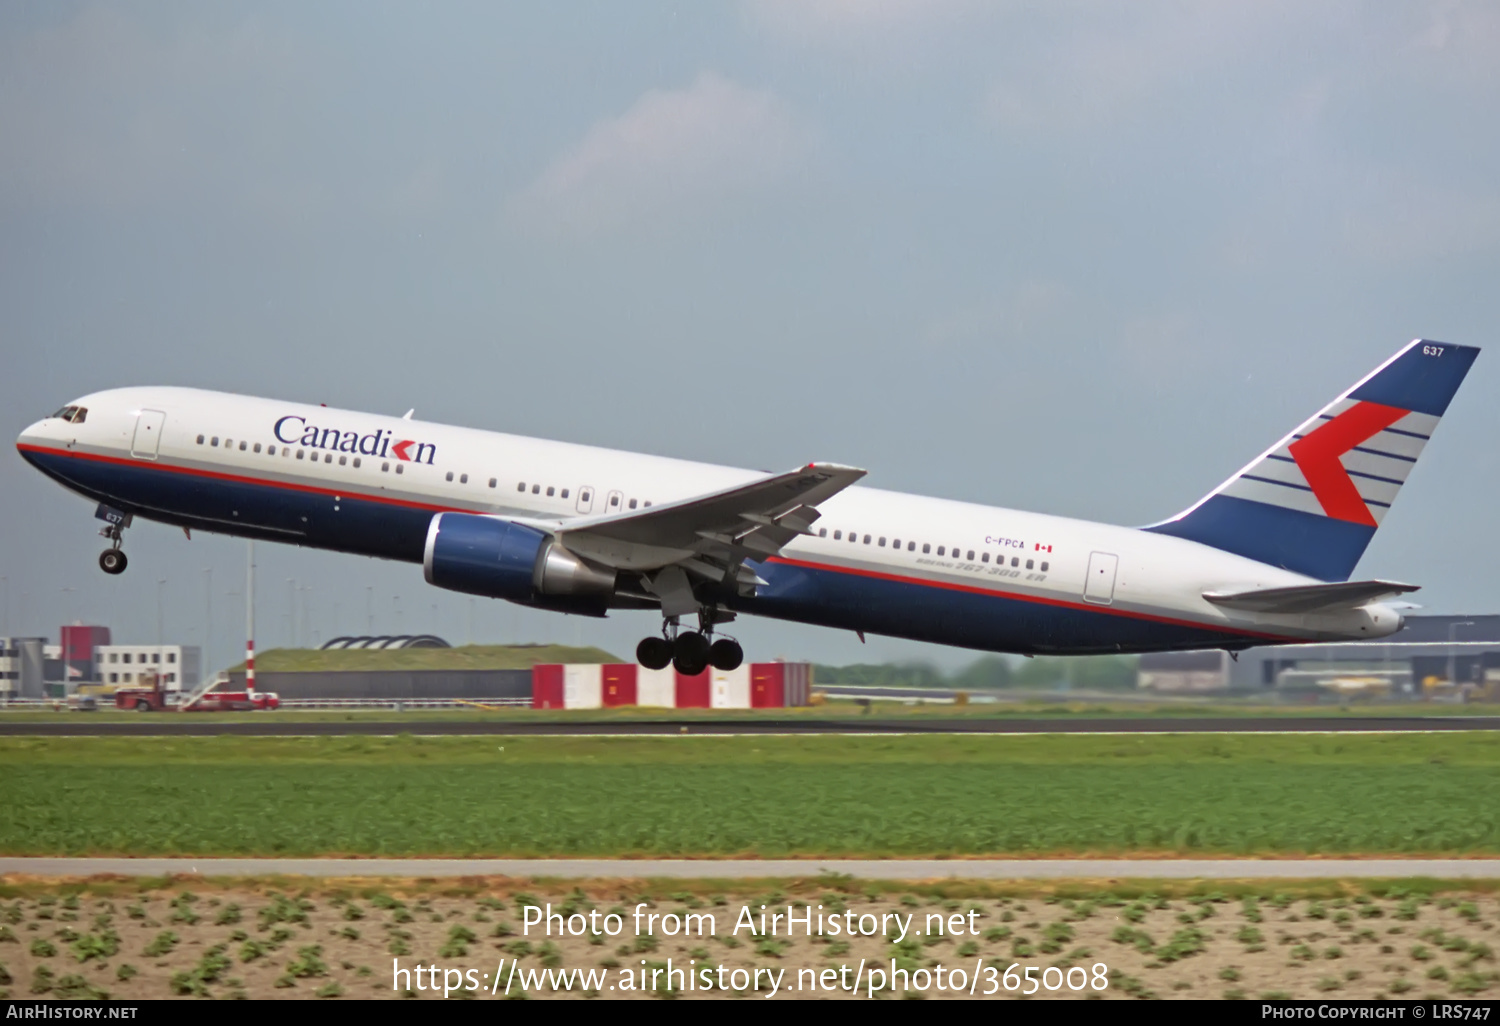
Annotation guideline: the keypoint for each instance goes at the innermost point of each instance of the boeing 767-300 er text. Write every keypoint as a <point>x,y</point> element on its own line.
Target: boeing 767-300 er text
<point>1265,557</point>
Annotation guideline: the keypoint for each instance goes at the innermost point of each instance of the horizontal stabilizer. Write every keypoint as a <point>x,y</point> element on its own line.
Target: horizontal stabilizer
<point>1309,598</point>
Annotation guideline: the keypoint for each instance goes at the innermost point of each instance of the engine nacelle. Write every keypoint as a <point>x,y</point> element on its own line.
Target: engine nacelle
<point>500,559</point>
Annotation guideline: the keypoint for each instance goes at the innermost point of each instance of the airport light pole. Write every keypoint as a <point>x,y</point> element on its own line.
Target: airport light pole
<point>208,618</point>
<point>250,616</point>
<point>1451,628</point>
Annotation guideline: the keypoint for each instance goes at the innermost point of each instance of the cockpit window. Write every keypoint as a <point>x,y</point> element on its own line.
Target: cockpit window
<point>72,414</point>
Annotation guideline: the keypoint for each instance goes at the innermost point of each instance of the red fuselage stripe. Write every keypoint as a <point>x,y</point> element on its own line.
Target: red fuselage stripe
<point>1034,599</point>
<point>805,564</point>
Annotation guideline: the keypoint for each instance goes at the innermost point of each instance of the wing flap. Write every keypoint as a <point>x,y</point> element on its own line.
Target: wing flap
<point>1310,598</point>
<point>749,521</point>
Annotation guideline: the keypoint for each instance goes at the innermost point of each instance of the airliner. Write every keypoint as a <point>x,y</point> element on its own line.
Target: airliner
<point>1265,557</point>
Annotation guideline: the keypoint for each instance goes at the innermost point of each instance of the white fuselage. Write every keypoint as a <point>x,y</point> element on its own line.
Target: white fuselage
<point>887,562</point>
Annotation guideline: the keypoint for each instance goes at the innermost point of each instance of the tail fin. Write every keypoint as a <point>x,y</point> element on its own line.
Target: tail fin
<point>1312,502</point>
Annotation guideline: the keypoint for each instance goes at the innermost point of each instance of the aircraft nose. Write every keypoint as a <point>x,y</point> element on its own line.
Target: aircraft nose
<point>31,436</point>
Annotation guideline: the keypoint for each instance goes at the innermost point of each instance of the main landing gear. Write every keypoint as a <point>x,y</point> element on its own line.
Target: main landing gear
<point>689,652</point>
<point>112,560</point>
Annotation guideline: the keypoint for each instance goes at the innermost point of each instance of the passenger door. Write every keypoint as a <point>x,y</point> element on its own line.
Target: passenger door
<point>586,499</point>
<point>147,440</point>
<point>1099,586</point>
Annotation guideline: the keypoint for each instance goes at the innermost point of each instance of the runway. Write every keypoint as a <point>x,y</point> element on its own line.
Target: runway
<point>265,725</point>
<point>744,869</point>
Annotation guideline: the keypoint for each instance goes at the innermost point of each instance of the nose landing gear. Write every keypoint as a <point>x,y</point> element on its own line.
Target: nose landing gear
<point>689,652</point>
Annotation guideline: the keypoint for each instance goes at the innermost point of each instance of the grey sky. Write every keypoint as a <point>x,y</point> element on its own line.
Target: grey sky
<point>1084,258</point>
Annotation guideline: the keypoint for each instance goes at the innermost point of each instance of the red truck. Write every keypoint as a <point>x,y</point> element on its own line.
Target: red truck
<point>150,696</point>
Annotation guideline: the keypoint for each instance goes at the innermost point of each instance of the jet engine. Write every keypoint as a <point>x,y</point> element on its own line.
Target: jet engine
<point>497,558</point>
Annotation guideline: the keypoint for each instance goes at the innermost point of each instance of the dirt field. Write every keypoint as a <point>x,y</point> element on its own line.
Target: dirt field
<point>259,941</point>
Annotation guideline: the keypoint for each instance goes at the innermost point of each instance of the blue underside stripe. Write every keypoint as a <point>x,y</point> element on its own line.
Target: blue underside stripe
<point>829,597</point>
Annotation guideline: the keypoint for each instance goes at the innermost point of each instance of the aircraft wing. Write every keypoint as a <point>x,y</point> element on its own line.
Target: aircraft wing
<point>1310,598</point>
<point>711,535</point>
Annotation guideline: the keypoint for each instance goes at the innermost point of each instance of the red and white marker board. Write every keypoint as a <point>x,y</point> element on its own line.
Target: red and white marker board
<point>611,685</point>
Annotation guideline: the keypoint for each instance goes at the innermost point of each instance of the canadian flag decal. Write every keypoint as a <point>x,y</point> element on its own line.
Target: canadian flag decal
<point>398,449</point>
<point>1042,548</point>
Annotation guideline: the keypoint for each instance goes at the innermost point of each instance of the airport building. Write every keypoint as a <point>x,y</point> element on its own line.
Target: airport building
<point>128,665</point>
<point>1452,657</point>
<point>22,667</point>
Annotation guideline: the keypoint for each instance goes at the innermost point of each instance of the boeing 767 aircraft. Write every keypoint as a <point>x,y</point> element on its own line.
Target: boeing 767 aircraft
<point>1265,557</point>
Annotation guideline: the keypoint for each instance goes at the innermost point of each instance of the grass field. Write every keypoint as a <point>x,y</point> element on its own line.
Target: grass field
<point>771,796</point>
<point>466,657</point>
<point>883,711</point>
<point>263,939</point>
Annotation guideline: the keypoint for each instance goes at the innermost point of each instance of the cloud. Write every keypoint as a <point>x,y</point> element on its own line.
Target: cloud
<point>1063,72</point>
<point>673,152</point>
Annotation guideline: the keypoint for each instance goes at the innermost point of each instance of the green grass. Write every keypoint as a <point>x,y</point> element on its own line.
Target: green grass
<point>885,712</point>
<point>466,657</point>
<point>772,796</point>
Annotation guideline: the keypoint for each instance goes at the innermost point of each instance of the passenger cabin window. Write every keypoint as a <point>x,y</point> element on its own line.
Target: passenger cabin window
<point>200,439</point>
<point>970,556</point>
<point>343,461</point>
<point>565,495</point>
<point>912,547</point>
<point>822,532</point>
<point>356,463</point>
<point>400,469</point>
<point>632,504</point>
<point>242,447</point>
<point>926,548</point>
<point>521,487</point>
<point>882,543</point>
<point>385,468</point>
<point>257,447</point>
<point>1015,561</point>
<point>1030,563</point>
<point>536,489</point>
<point>985,558</point>
<point>215,442</point>
<point>1044,566</point>
<point>300,453</point>
<point>492,482</point>
<point>614,500</point>
<point>450,475</point>
<point>550,491</point>
<point>463,478</point>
